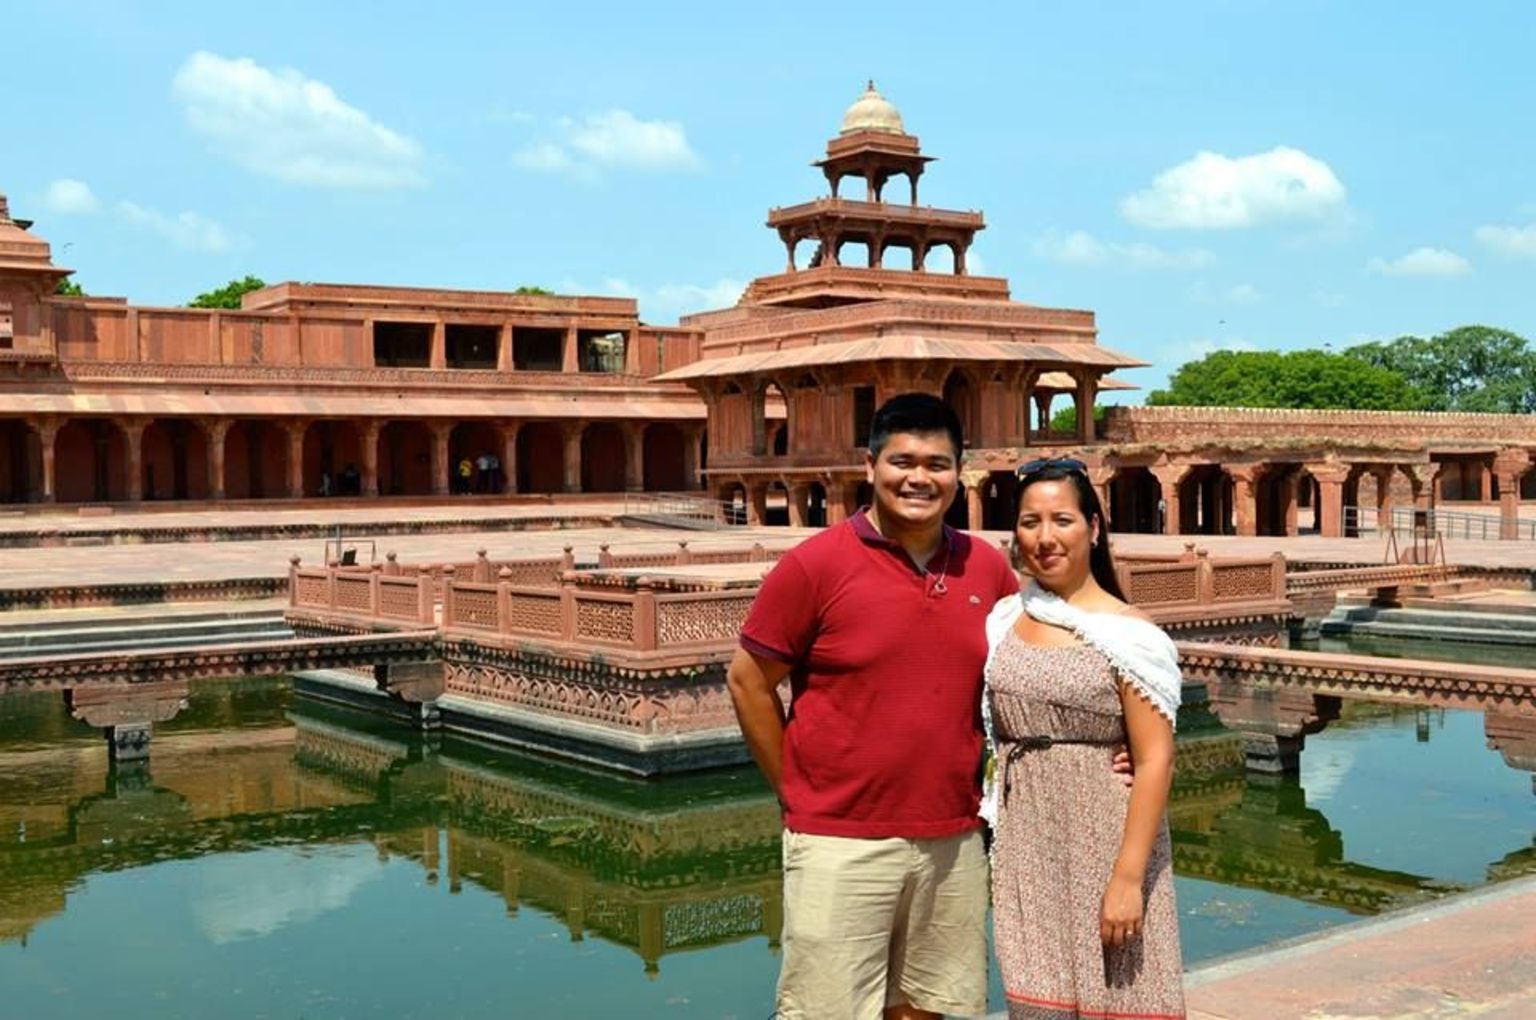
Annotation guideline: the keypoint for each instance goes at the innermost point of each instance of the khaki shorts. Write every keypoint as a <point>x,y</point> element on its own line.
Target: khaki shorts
<point>871,923</point>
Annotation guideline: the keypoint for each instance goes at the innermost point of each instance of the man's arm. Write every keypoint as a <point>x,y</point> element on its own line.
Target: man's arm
<point>754,685</point>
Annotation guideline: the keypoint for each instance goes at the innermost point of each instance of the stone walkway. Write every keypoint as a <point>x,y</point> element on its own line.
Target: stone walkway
<point>1471,956</point>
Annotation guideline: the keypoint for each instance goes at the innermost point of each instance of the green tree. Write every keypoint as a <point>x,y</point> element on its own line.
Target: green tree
<point>1064,421</point>
<point>68,288</point>
<point>227,296</point>
<point>534,290</point>
<point>1298,379</point>
<point>1470,368</point>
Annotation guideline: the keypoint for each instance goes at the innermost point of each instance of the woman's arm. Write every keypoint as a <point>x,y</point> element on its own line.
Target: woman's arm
<point>1151,738</point>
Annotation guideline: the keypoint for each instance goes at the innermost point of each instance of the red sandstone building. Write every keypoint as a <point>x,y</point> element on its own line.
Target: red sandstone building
<point>314,389</point>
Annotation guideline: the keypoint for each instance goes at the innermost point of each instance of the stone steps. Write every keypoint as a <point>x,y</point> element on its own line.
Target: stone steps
<point>1450,624</point>
<point>92,633</point>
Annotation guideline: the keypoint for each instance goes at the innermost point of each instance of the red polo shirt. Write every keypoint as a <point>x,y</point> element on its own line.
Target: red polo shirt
<point>884,734</point>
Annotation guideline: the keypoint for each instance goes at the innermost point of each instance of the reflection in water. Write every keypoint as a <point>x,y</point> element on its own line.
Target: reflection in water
<point>313,834</point>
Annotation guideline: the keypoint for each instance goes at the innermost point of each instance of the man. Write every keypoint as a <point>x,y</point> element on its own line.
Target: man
<point>879,624</point>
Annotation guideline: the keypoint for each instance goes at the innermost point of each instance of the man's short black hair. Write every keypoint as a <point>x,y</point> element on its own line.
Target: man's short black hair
<point>914,412</point>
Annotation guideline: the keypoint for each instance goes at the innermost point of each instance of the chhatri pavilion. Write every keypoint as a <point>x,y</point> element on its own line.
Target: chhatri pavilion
<point>313,391</point>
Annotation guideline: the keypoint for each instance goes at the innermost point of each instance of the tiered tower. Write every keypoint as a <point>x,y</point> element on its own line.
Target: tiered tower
<point>831,339</point>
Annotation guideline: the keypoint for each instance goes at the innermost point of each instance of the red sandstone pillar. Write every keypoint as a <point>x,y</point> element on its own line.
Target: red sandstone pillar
<point>1043,400</point>
<point>799,497</point>
<point>974,508</point>
<point>216,432</point>
<point>757,503</point>
<point>569,351</point>
<point>1100,478</point>
<point>1510,466</point>
<point>1245,508</point>
<point>295,431</point>
<point>693,441</point>
<point>1168,477</point>
<point>572,455</point>
<point>438,358</point>
<point>47,432</point>
<point>368,484</point>
<point>133,444</point>
<point>837,502</point>
<point>634,457</point>
<point>1330,478</point>
<point>1383,498</point>
<point>504,362</point>
<point>1485,482</point>
<point>1084,396</point>
<point>439,458</point>
<point>1426,488</point>
<point>509,432</point>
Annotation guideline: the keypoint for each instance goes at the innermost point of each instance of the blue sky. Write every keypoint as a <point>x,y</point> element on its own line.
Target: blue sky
<point>1202,174</point>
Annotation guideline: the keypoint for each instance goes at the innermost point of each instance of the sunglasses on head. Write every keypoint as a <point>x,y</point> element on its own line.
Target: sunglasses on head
<point>1040,464</point>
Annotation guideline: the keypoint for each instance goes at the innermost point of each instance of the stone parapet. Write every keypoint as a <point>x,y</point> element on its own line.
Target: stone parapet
<point>1211,425</point>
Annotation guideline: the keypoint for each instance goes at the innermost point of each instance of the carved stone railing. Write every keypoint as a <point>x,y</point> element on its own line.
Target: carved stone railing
<point>998,316</point>
<point>1186,424</point>
<point>1198,581</point>
<point>1368,577</point>
<point>894,212</point>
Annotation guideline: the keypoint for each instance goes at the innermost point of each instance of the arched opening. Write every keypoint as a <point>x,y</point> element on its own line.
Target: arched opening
<point>1351,523</point>
<point>1528,485</point>
<point>405,459</point>
<point>940,258</point>
<point>540,458</point>
<point>776,502</point>
<point>664,463</point>
<point>603,458</point>
<point>174,455</point>
<point>330,449</point>
<point>90,457</point>
<point>863,495</point>
<point>854,251</point>
<point>1274,500</point>
<point>776,421</point>
<point>255,460</point>
<point>960,395</point>
<point>816,505</point>
<point>733,503</point>
<point>998,509</point>
<point>1205,501</point>
<point>959,513</point>
<point>21,462</point>
<point>899,255</point>
<point>1134,494</point>
<point>479,444</point>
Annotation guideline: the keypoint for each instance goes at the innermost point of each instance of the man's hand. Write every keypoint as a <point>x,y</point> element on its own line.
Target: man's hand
<point>754,685</point>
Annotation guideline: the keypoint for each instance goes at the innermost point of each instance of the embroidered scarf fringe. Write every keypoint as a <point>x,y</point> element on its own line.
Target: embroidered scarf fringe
<point>1139,651</point>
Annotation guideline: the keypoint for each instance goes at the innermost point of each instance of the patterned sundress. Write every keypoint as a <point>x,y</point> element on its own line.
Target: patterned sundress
<point>1060,822</point>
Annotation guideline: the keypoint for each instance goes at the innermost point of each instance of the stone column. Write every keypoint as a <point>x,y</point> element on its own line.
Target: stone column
<point>975,508</point>
<point>1426,490</point>
<point>757,502</point>
<point>438,357</point>
<point>295,431</point>
<point>216,431</point>
<point>504,362</point>
<point>572,431</point>
<point>1330,477</point>
<point>1168,478</point>
<point>634,457</point>
<point>1510,465</point>
<point>1485,482</point>
<point>693,443</point>
<point>799,498</point>
<point>1383,476</point>
<point>569,351</point>
<point>369,483</point>
<point>47,433</point>
<point>1246,506</point>
<point>1043,400</point>
<point>438,460</point>
<point>1086,389</point>
<point>133,445</point>
<point>1100,478</point>
<point>509,431</point>
<point>837,502</point>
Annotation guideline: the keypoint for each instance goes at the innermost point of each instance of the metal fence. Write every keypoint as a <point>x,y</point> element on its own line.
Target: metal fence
<point>1360,520</point>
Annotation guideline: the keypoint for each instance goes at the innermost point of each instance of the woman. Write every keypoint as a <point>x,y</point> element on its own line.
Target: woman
<point>1082,887</point>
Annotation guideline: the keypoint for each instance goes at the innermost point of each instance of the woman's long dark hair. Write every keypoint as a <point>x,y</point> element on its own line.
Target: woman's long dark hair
<point>1101,562</point>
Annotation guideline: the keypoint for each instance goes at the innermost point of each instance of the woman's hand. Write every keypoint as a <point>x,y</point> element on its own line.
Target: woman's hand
<point>1121,915</point>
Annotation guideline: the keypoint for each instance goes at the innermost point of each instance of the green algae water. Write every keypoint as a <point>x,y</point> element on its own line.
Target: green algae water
<point>280,859</point>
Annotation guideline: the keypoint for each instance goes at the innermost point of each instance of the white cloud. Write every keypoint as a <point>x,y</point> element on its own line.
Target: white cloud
<point>1519,241</point>
<point>1329,298</point>
<point>1216,192</point>
<point>69,196</point>
<point>1423,262</point>
<point>616,139</point>
<point>1237,294</point>
<point>667,301</point>
<point>1080,248</point>
<point>188,230</point>
<point>283,124</point>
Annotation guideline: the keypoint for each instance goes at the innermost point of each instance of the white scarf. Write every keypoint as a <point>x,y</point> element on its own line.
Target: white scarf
<point>1136,648</point>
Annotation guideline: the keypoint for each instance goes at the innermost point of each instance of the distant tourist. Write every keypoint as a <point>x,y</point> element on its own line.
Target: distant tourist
<point>483,473</point>
<point>494,476</point>
<point>1082,879</point>
<point>466,472</point>
<point>351,481</point>
<point>879,624</point>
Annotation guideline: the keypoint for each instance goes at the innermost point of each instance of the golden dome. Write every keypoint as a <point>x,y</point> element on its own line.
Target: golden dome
<point>871,112</point>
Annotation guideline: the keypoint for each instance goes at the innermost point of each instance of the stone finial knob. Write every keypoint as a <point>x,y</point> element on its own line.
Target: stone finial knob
<point>293,561</point>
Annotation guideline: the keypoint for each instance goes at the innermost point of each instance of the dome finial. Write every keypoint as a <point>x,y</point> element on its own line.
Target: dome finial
<point>872,112</point>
